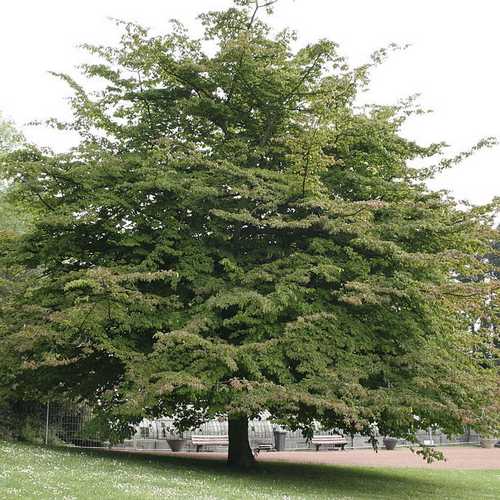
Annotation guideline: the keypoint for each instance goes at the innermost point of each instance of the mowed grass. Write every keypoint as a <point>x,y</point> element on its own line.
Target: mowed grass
<point>59,473</point>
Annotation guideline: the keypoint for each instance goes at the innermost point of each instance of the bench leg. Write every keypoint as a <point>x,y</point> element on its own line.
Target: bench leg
<point>343,447</point>
<point>317,446</point>
<point>198,447</point>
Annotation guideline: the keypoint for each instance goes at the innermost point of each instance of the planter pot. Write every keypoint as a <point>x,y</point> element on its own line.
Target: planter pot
<point>390,443</point>
<point>177,444</point>
<point>488,442</point>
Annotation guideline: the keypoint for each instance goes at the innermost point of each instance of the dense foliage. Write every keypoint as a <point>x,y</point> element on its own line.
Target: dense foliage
<point>235,235</point>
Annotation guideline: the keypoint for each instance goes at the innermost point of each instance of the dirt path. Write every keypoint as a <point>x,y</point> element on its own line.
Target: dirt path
<point>456,457</point>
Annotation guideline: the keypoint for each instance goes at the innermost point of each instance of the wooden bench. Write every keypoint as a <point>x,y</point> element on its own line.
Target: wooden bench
<point>200,441</point>
<point>259,446</point>
<point>336,440</point>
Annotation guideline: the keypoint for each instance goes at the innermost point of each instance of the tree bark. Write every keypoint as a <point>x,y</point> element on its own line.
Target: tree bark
<point>240,454</point>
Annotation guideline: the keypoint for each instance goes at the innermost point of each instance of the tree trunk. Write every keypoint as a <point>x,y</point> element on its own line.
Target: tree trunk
<point>240,454</point>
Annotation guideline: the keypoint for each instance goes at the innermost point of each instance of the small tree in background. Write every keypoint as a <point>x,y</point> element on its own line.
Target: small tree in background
<point>234,235</point>
<point>13,220</point>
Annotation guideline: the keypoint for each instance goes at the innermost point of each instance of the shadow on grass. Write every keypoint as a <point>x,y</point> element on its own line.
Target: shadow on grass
<point>312,479</point>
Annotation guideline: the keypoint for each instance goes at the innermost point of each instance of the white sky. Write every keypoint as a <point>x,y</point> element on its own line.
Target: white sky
<point>453,62</point>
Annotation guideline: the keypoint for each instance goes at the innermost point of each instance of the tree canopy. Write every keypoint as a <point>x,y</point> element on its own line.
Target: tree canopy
<point>235,235</point>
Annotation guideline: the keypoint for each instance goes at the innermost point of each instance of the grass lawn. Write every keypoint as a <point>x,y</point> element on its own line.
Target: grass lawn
<point>35,472</point>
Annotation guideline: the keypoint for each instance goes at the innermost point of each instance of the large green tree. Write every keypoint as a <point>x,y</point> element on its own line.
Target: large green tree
<point>234,235</point>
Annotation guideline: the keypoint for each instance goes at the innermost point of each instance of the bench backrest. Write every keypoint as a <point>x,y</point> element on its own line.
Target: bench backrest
<point>336,438</point>
<point>210,439</point>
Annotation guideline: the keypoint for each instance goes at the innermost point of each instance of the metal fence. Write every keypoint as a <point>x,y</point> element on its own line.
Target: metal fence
<point>54,423</point>
<point>67,424</point>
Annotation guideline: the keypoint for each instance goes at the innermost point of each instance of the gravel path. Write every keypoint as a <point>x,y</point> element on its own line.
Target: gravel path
<point>456,457</point>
